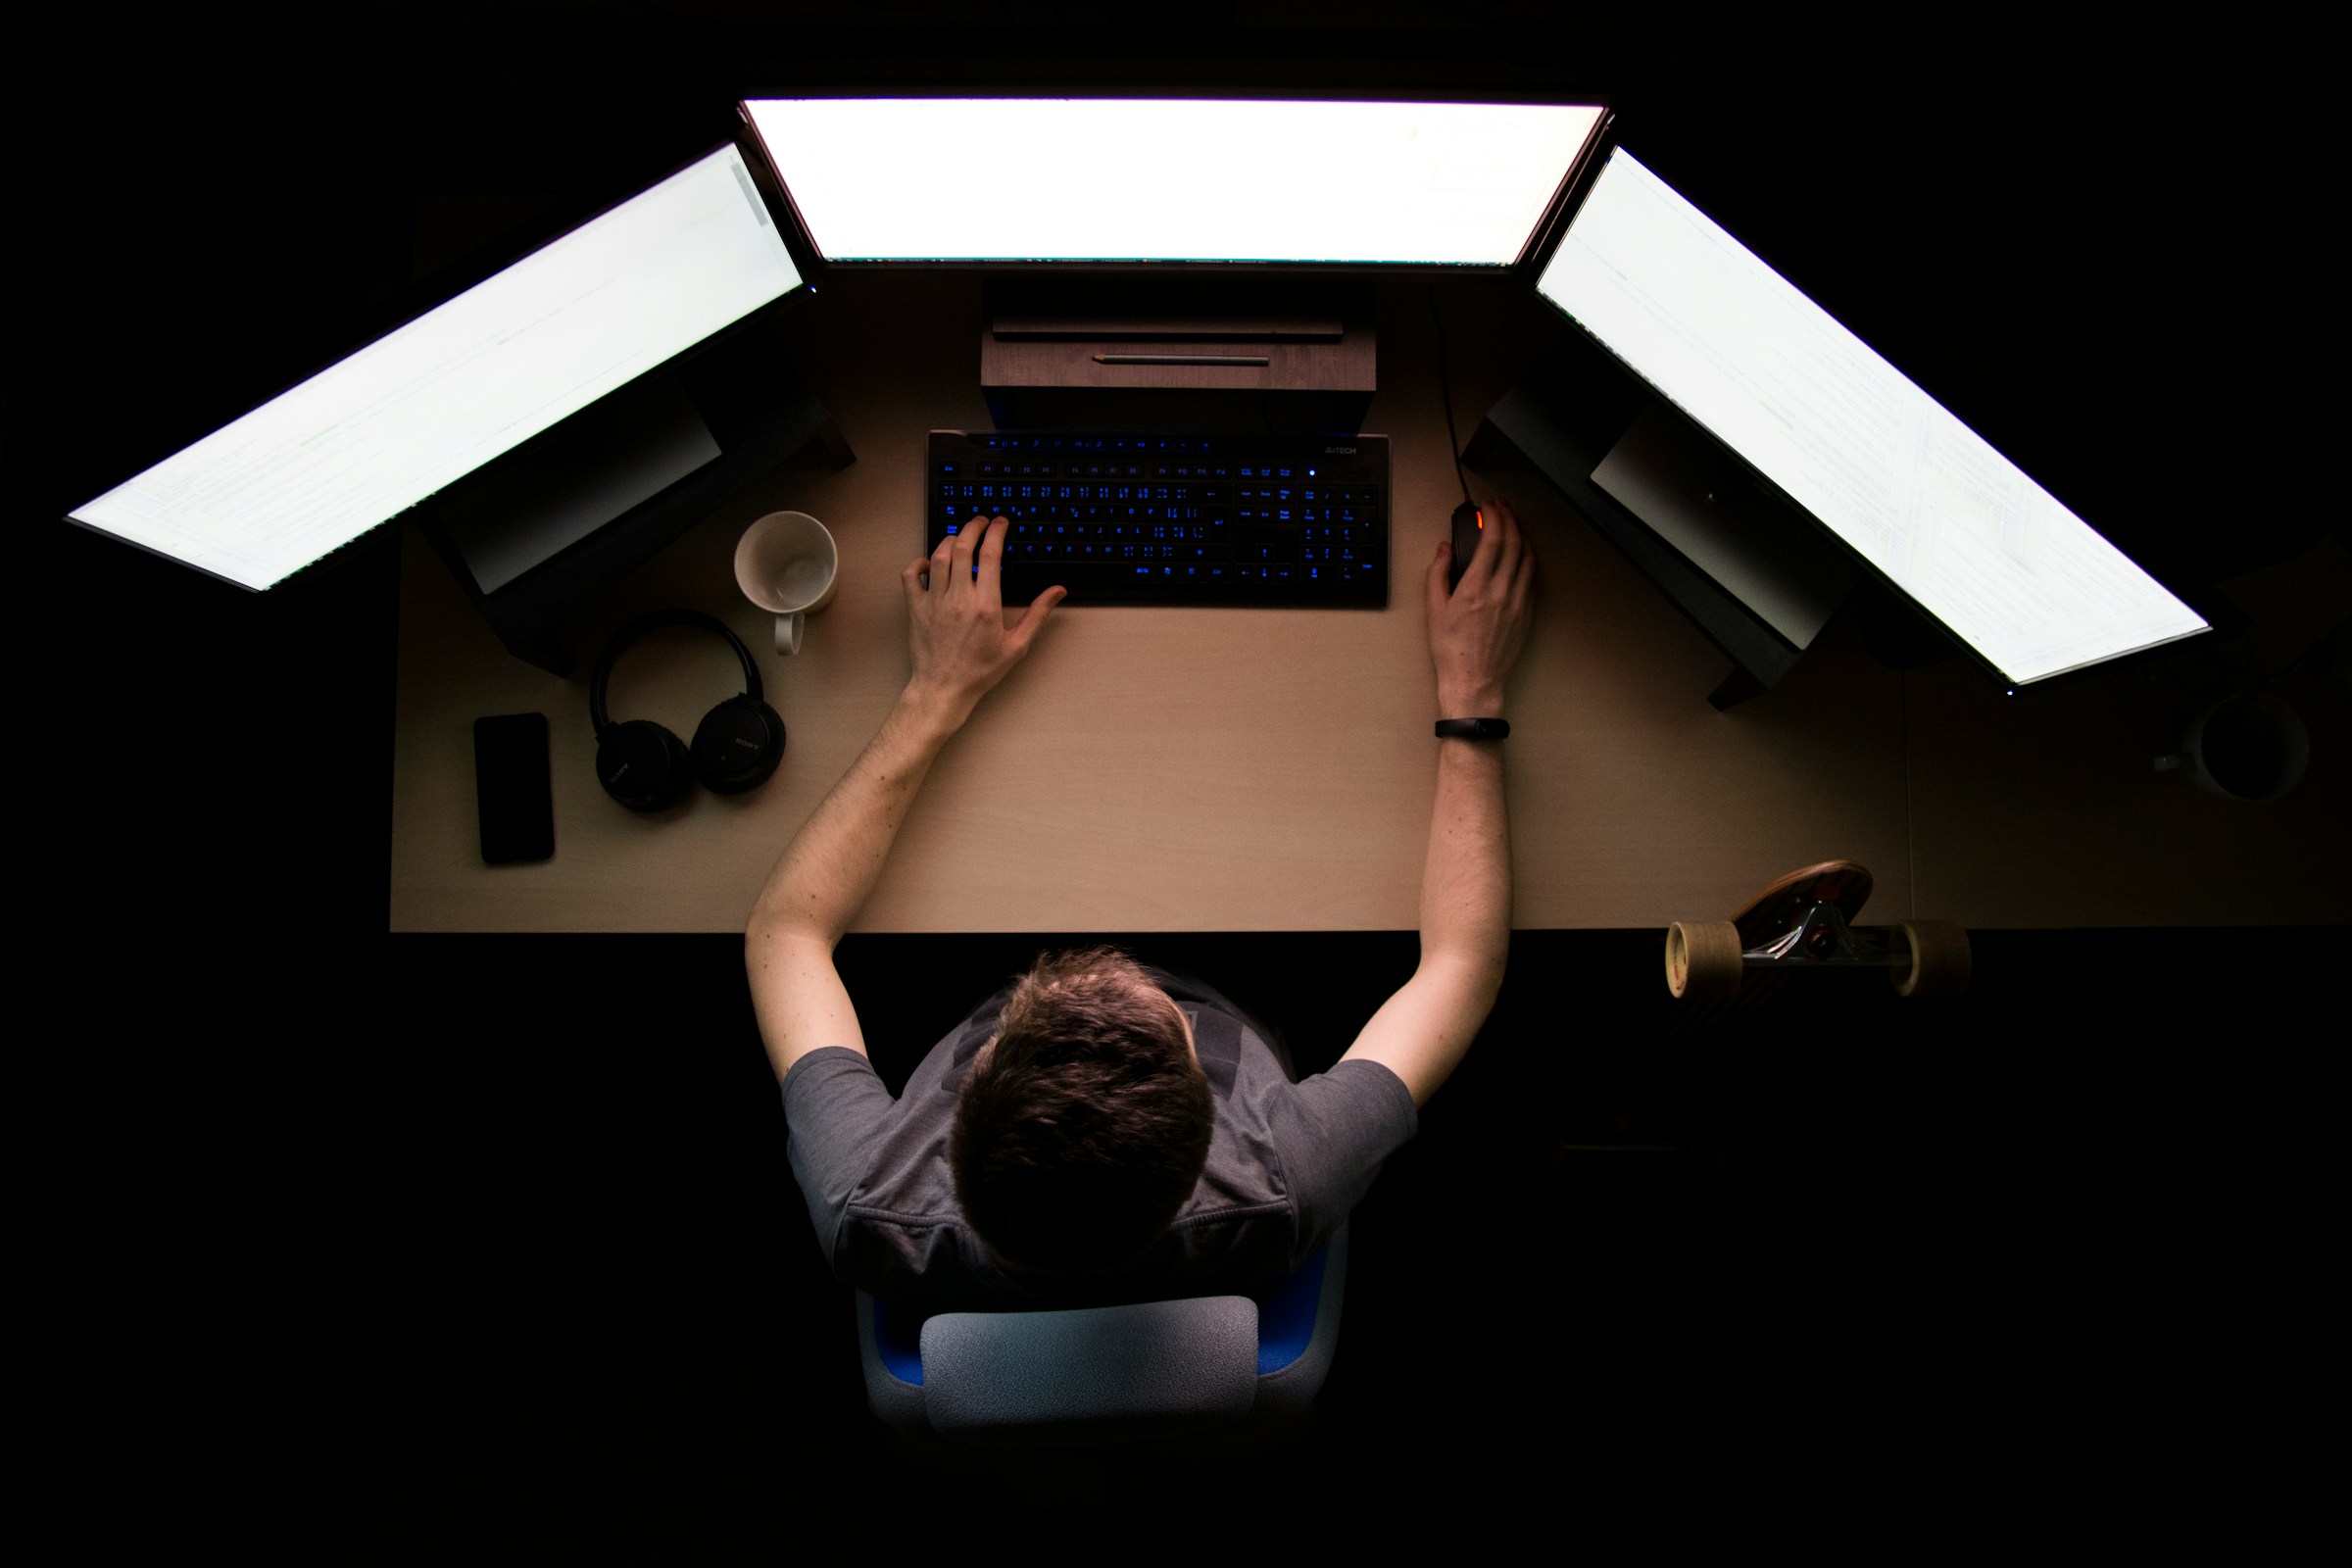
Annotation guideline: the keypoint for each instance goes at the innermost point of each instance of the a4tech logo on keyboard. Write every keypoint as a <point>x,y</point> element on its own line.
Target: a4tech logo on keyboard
<point>1173,517</point>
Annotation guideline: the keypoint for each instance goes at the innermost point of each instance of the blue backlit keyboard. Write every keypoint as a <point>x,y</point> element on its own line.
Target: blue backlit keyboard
<point>1172,518</point>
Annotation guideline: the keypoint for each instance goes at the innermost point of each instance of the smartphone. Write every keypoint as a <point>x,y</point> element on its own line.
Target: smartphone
<point>513,788</point>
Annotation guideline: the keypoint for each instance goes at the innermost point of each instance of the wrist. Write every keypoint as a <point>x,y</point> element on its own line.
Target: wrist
<point>933,711</point>
<point>1470,702</point>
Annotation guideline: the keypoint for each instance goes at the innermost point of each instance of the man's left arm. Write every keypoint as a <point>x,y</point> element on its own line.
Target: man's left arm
<point>962,648</point>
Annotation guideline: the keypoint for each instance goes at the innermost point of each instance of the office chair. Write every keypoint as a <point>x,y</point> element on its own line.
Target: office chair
<point>1090,1376</point>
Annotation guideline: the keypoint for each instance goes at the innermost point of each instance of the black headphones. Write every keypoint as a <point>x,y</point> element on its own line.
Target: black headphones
<point>642,765</point>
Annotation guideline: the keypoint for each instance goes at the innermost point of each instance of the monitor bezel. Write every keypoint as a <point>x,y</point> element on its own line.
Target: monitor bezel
<point>428,294</point>
<point>2218,617</point>
<point>1547,226</point>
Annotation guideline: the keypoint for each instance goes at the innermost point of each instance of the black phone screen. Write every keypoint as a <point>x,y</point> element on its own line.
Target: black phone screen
<point>513,788</point>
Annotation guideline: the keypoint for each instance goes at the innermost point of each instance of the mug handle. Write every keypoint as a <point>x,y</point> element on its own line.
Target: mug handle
<point>788,632</point>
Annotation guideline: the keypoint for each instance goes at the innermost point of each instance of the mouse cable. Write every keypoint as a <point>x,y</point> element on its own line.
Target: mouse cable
<point>1453,443</point>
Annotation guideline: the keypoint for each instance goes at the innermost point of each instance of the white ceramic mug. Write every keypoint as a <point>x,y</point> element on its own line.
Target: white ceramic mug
<point>786,563</point>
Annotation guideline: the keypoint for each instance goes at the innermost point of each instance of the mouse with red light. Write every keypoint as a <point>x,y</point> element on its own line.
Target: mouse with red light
<point>1468,523</point>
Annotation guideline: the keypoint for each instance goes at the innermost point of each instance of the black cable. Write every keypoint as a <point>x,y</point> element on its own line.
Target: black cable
<point>1454,442</point>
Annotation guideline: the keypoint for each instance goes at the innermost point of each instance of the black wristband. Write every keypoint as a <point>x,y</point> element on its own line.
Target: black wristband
<point>1474,729</point>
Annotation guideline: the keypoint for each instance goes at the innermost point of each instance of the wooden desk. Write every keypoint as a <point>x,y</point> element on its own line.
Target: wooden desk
<point>1244,770</point>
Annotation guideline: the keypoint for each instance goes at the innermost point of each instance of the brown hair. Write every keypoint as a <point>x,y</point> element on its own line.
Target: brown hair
<point>1084,1127</point>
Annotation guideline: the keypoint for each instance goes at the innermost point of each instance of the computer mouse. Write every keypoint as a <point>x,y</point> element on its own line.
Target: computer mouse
<point>1468,522</point>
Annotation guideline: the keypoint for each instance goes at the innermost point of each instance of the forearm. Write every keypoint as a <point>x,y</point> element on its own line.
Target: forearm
<point>1466,879</point>
<point>829,869</point>
<point>1422,1032</point>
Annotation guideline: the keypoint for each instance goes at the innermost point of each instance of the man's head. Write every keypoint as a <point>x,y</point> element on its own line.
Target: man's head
<point>1082,1127</point>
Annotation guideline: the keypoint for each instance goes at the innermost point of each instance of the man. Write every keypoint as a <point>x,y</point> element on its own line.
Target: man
<point>1100,1132</point>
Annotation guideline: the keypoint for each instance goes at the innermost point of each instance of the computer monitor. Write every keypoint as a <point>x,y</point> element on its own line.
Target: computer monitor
<point>591,313</point>
<point>1187,182</point>
<point>1907,489</point>
<point>1172,263</point>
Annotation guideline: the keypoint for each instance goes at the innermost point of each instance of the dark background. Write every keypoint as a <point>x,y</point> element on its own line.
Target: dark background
<point>363,1245</point>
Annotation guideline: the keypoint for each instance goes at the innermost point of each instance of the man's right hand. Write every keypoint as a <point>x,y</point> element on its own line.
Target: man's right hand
<point>957,629</point>
<point>1477,629</point>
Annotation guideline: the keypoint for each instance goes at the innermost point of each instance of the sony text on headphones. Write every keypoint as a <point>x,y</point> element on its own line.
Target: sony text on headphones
<point>642,765</point>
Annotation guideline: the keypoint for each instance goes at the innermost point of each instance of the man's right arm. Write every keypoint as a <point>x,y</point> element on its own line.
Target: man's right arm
<point>1475,635</point>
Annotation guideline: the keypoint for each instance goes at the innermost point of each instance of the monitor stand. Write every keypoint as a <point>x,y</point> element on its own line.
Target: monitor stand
<point>557,489</point>
<point>1111,351</point>
<point>1756,577</point>
<point>538,537</point>
<point>1690,493</point>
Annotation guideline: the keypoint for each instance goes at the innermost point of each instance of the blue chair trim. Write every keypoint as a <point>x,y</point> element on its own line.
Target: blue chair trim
<point>899,1341</point>
<point>1286,1314</point>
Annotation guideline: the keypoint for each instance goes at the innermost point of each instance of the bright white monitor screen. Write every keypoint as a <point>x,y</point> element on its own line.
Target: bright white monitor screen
<point>1845,435</point>
<point>374,434</point>
<point>1096,180</point>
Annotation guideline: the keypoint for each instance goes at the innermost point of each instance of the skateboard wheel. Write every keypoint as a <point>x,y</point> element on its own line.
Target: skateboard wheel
<point>1702,958</point>
<point>1940,959</point>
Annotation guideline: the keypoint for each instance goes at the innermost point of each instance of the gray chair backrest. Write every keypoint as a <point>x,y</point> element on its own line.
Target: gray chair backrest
<point>1091,1375</point>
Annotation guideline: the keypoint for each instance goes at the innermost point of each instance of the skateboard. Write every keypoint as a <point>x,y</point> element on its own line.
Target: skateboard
<point>1805,920</point>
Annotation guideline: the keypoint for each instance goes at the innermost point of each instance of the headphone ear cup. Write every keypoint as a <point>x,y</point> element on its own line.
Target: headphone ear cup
<point>642,765</point>
<point>738,745</point>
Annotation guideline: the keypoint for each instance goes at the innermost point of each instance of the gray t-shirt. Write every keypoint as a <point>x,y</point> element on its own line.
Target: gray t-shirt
<point>1286,1163</point>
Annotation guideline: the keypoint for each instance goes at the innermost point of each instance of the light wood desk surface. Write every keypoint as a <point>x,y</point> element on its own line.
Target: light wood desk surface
<point>1246,770</point>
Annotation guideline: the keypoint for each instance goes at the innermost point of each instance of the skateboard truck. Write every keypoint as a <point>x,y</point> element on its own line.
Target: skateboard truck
<point>1820,936</point>
<point>1803,921</point>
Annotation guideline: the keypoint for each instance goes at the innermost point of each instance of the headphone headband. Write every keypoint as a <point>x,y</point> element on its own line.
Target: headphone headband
<point>656,621</point>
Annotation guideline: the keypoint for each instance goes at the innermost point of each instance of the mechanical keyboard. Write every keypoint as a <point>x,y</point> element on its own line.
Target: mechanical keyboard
<point>1173,517</point>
